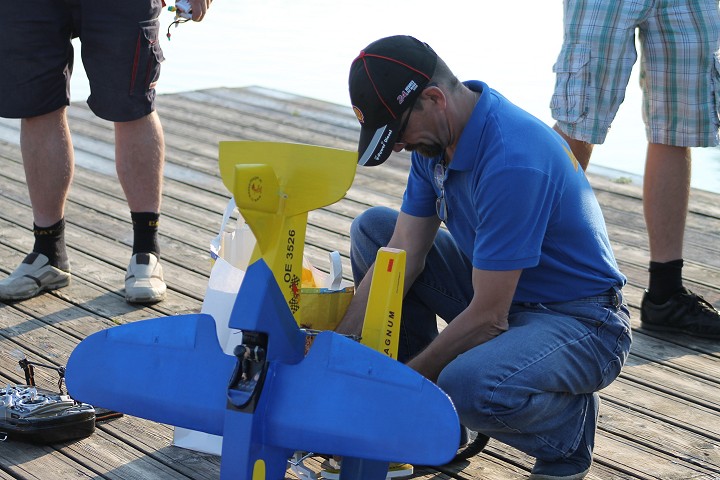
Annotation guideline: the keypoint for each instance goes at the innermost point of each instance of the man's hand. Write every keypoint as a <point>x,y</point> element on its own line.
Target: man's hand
<point>484,319</point>
<point>415,236</point>
<point>199,9</point>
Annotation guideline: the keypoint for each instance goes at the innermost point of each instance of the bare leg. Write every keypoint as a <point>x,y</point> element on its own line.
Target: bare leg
<point>139,159</point>
<point>666,191</point>
<point>581,150</point>
<point>48,159</point>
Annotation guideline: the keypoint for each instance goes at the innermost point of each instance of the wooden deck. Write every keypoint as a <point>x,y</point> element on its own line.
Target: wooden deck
<point>659,420</point>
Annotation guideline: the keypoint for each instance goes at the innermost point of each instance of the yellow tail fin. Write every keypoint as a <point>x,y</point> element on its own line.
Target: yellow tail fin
<point>275,185</point>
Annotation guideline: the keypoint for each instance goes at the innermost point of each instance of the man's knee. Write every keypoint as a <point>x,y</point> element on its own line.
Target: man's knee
<point>470,392</point>
<point>482,394</point>
<point>374,226</point>
<point>369,231</point>
<point>120,107</point>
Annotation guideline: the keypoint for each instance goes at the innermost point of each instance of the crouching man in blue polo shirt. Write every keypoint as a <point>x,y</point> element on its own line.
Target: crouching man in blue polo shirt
<point>524,274</point>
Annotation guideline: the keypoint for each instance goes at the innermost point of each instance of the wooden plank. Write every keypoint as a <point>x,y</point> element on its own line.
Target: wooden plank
<point>633,460</point>
<point>687,447</point>
<point>683,384</point>
<point>701,237</point>
<point>666,407</point>
<point>5,475</point>
<point>23,461</point>
<point>701,202</point>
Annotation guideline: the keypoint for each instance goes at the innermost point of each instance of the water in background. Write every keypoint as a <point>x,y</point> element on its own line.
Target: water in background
<point>306,46</point>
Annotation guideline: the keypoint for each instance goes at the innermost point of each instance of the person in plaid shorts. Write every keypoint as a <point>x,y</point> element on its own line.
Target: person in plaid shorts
<point>681,94</point>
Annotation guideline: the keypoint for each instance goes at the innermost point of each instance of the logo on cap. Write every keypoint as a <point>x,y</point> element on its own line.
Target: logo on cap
<point>411,87</point>
<point>359,114</point>
<point>383,145</point>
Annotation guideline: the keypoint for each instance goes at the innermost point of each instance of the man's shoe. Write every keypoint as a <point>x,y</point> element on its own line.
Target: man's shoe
<point>144,280</point>
<point>33,276</point>
<point>471,443</point>
<point>577,465</point>
<point>685,312</point>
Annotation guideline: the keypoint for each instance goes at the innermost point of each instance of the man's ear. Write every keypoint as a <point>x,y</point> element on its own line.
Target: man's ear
<point>434,93</point>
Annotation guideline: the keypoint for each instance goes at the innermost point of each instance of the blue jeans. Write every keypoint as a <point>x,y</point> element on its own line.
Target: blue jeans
<point>531,386</point>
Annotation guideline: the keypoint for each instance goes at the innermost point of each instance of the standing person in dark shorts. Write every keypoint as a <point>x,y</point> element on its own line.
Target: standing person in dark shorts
<point>121,56</point>
<point>680,80</point>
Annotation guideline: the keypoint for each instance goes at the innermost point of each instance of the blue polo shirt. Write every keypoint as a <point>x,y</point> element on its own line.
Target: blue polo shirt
<point>517,199</point>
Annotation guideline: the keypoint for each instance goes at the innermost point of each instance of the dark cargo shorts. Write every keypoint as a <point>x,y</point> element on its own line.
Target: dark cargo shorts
<point>120,52</point>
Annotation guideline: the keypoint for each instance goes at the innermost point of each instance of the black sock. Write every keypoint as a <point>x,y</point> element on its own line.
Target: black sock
<point>665,280</point>
<point>50,241</point>
<point>145,232</point>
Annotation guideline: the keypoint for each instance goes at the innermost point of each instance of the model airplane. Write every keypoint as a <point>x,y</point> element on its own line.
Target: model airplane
<point>270,399</point>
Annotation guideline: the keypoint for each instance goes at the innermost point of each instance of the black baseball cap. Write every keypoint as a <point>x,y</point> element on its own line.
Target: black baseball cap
<point>385,80</point>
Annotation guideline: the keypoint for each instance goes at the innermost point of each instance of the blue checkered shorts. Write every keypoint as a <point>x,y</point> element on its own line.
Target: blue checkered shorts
<point>679,68</point>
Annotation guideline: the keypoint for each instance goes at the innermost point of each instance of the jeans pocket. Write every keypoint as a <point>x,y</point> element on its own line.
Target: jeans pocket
<point>148,56</point>
<point>569,101</point>
<point>619,356</point>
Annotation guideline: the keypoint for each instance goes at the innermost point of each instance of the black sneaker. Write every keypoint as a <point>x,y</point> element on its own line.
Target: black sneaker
<point>685,312</point>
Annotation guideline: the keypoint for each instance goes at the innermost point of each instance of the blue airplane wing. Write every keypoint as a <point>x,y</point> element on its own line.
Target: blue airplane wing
<point>170,370</point>
<point>350,400</point>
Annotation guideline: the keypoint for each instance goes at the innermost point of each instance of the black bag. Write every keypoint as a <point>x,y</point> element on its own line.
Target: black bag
<point>40,416</point>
